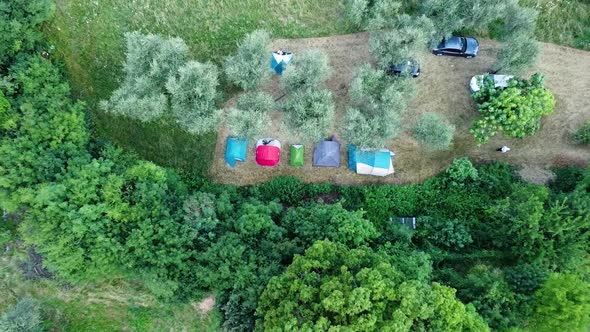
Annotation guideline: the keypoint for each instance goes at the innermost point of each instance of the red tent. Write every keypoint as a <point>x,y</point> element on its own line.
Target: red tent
<point>268,153</point>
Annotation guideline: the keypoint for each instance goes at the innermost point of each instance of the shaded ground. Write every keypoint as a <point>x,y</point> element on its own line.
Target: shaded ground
<point>442,88</point>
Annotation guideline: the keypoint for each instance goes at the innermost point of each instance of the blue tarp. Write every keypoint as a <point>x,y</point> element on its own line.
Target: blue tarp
<point>235,149</point>
<point>278,62</point>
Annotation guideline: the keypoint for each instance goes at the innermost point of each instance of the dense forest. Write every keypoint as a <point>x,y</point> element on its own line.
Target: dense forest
<point>488,251</point>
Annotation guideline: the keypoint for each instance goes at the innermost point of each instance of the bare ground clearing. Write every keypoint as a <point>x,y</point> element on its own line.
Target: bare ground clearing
<point>442,88</point>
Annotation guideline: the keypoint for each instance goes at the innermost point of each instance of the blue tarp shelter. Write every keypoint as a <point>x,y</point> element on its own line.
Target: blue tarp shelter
<point>235,149</point>
<point>370,162</point>
<point>279,61</point>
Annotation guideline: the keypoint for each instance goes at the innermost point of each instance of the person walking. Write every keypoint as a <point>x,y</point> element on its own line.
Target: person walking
<point>503,149</point>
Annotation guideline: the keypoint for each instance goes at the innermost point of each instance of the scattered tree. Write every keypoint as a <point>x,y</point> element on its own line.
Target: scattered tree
<point>516,110</point>
<point>367,130</point>
<point>248,68</point>
<point>150,61</point>
<point>372,15</point>
<point>193,94</point>
<point>309,71</point>
<point>433,132</point>
<point>251,115</point>
<point>517,55</point>
<point>309,113</point>
<point>403,43</point>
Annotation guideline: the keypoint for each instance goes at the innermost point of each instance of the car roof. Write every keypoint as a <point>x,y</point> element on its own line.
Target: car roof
<point>454,43</point>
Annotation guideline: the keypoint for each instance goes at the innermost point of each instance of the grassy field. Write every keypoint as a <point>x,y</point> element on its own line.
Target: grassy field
<point>119,306</point>
<point>88,36</point>
<point>563,22</point>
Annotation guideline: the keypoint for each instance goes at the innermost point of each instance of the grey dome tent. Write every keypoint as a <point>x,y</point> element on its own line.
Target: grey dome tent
<point>327,153</point>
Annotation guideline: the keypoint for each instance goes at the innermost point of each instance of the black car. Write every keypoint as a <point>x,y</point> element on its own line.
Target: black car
<point>409,67</point>
<point>459,46</point>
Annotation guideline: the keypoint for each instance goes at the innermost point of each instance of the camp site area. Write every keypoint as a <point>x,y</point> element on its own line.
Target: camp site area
<point>443,87</point>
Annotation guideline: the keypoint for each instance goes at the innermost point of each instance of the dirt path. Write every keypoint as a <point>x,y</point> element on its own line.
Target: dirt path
<point>442,87</point>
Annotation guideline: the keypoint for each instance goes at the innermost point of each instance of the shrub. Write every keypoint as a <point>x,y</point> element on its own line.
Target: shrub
<point>310,70</point>
<point>582,135</point>
<point>461,172</point>
<point>248,68</point>
<point>370,131</point>
<point>24,316</point>
<point>433,132</point>
<point>516,110</point>
<point>193,94</point>
<point>449,234</point>
<point>309,113</point>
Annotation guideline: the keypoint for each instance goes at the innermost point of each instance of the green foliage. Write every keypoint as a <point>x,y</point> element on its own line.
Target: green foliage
<point>460,173</point>
<point>447,16</point>
<point>8,117</point>
<point>309,113</point>
<point>328,222</point>
<point>566,178</point>
<point>248,67</point>
<point>379,101</point>
<point>251,116</point>
<point>333,287</point>
<point>150,61</point>
<point>49,134</point>
<point>517,54</point>
<point>409,38</point>
<point>193,96</point>
<point>372,15</point>
<point>563,303</point>
<point>24,316</point>
<point>433,132</point>
<point>368,131</point>
<point>582,135</point>
<point>19,23</point>
<point>449,234</point>
<point>309,71</point>
<point>515,110</point>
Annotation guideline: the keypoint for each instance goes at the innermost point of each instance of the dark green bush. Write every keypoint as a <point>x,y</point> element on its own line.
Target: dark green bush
<point>566,178</point>
<point>582,135</point>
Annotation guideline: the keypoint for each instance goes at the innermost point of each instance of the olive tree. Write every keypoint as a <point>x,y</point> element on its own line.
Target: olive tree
<point>395,46</point>
<point>248,67</point>
<point>193,92</point>
<point>370,131</point>
<point>251,115</point>
<point>309,70</point>
<point>517,55</point>
<point>150,60</point>
<point>309,113</point>
<point>433,132</point>
<point>372,15</point>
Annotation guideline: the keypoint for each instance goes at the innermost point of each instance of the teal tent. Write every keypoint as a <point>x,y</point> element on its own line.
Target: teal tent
<point>371,162</point>
<point>279,61</point>
<point>235,149</point>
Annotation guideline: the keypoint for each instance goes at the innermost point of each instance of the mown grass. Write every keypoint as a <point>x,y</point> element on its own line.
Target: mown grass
<point>88,36</point>
<point>563,22</point>
<point>118,306</point>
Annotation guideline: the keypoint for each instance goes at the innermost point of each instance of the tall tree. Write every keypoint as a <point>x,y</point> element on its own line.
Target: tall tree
<point>309,113</point>
<point>251,116</point>
<point>309,70</point>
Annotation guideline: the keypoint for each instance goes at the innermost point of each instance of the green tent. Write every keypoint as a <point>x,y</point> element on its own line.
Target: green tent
<point>297,154</point>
